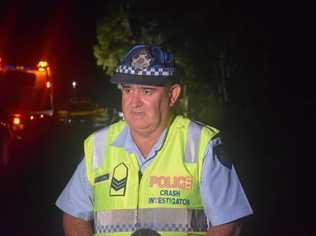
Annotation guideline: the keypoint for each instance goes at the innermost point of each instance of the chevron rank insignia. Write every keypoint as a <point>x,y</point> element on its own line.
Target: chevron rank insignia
<point>119,180</point>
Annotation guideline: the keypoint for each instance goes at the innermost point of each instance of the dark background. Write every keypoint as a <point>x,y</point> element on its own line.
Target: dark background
<point>276,139</point>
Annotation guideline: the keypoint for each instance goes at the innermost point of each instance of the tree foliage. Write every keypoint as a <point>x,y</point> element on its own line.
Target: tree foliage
<point>114,37</point>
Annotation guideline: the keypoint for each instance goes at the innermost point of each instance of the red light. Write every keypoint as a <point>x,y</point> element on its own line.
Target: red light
<point>16,121</point>
<point>32,117</point>
<point>41,116</point>
<point>48,84</point>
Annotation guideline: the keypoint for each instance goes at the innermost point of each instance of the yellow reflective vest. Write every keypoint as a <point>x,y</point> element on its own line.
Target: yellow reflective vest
<point>166,198</point>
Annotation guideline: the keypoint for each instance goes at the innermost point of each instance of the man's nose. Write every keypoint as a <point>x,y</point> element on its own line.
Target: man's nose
<point>136,99</point>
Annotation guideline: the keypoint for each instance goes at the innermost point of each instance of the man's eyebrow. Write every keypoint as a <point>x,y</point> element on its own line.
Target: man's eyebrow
<point>147,87</point>
<point>140,87</point>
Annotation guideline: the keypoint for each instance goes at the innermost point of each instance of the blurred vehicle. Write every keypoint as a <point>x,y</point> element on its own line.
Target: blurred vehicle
<point>83,111</point>
<point>26,104</point>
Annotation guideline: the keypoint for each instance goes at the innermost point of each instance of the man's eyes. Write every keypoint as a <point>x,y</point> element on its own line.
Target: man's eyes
<point>126,90</point>
<point>144,91</point>
<point>148,91</point>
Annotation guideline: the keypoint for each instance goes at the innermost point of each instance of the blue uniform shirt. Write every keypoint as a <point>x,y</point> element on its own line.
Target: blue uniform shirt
<point>222,195</point>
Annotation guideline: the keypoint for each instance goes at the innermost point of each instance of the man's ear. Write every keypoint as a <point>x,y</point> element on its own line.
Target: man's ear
<point>174,93</point>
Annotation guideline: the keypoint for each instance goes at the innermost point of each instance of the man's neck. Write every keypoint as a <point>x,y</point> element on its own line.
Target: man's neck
<point>146,141</point>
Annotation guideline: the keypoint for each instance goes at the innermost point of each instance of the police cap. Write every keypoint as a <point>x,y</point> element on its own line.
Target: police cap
<point>145,65</point>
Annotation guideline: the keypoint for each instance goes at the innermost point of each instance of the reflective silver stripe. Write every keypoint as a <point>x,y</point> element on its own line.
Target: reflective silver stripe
<point>115,221</point>
<point>193,141</point>
<point>159,219</point>
<point>173,219</point>
<point>98,150</point>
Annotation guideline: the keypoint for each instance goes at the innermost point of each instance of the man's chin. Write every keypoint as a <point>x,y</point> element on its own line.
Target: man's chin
<point>136,123</point>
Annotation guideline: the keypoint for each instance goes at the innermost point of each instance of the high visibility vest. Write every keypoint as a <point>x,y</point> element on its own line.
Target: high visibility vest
<point>166,198</point>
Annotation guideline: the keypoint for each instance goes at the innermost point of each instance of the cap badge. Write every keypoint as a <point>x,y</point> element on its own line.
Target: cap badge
<point>141,60</point>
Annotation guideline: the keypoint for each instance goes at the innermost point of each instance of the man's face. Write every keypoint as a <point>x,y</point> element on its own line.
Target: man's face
<point>146,108</point>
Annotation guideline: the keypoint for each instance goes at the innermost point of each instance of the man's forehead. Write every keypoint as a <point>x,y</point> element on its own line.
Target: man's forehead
<point>140,86</point>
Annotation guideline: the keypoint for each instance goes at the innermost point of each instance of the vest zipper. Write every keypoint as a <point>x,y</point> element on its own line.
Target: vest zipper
<point>140,175</point>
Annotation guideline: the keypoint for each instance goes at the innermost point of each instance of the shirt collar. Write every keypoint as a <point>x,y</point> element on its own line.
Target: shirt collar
<point>125,140</point>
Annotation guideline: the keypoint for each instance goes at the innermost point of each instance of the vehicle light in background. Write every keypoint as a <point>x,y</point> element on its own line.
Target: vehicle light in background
<point>74,84</point>
<point>31,117</point>
<point>42,65</point>
<point>41,116</point>
<point>16,121</point>
<point>19,67</point>
<point>48,84</point>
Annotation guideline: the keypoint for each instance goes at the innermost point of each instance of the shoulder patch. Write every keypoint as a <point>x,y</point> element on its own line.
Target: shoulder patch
<point>217,136</point>
<point>220,153</point>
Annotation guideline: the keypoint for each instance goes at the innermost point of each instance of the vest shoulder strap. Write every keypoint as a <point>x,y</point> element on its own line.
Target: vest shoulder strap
<point>193,140</point>
<point>95,145</point>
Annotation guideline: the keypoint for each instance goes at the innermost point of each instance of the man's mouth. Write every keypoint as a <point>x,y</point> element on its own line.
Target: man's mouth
<point>137,113</point>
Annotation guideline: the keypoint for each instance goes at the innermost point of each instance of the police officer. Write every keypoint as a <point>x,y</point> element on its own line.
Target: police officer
<point>153,172</point>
